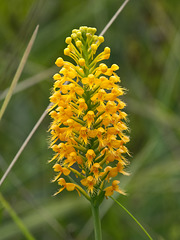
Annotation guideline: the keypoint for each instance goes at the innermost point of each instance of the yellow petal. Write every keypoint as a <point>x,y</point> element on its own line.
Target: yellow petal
<point>70,186</point>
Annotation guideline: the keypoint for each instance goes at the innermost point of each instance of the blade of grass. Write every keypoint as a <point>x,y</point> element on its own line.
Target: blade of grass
<point>56,208</point>
<point>156,111</point>
<point>18,73</point>
<point>29,82</point>
<point>24,145</point>
<point>36,206</point>
<point>16,219</point>
<point>169,80</point>
<point>130,214</point>
<point>113,18</point>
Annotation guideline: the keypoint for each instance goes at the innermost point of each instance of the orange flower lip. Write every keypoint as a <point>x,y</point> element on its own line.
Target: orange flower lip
<point>89,117</point>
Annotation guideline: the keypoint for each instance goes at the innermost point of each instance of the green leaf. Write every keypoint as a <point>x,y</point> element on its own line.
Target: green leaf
<point>147,234</point>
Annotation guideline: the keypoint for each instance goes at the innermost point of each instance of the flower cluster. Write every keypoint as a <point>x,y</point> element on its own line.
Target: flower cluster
<point>88,126</point>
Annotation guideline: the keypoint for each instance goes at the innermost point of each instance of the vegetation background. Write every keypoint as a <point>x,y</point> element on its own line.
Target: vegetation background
<point>145,43</point>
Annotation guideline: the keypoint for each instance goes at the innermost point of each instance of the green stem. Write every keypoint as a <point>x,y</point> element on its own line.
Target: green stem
<point>16,219</point>
<point>133,218</point>
<point>97,222</point>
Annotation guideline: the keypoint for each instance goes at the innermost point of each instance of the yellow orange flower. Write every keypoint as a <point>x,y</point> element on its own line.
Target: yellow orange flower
<point>89,117</point>
<point>88,129</point>
<point>90,156</point>
<point>61,170</point>
<point>114,187</point>
<point>96,170</point>
<point>89,182</point>
<point>68,186</point>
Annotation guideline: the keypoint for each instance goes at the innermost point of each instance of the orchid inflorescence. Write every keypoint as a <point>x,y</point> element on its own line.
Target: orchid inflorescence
<point>88,126</point>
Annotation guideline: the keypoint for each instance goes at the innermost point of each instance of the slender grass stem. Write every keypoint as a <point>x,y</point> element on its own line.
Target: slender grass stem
<point>113,18</point>
<point>97,222</point>
<point>18,73</point>
<point>16,219</point>
<point>30,82</point>
<point>24,144</point>
<point>125,209</point>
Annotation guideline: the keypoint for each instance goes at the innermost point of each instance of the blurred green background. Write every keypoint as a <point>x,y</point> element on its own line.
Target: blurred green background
<point>145,43</point>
